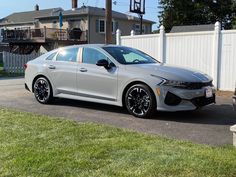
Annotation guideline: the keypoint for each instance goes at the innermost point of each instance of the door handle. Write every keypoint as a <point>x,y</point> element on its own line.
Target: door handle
<point>51,67</point>
<point>83,70</point>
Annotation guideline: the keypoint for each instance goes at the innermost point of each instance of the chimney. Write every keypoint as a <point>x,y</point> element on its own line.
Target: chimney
<point>74,4</point>
<point>36,7</point>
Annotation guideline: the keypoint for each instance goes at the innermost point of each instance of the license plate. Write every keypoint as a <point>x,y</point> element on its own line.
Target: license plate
<point>209,92</point>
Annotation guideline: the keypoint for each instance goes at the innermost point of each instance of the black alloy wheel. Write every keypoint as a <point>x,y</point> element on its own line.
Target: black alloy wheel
<point>42,90</point>
<point>140,101</point>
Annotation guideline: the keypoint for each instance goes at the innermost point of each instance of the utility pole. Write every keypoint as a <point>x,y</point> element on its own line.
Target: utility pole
<point>141,23</point>
<point>108,38</point>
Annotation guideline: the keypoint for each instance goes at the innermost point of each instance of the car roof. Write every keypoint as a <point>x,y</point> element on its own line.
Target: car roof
<point>91,45</point>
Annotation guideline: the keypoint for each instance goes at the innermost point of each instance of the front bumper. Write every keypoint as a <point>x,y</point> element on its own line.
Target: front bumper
<point>176,99</point>
<point>234,102</point>
<point>26,87</point>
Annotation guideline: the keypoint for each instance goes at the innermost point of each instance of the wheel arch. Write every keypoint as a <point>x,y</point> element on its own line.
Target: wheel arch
<point>38,76</point>
<point>130,85</point>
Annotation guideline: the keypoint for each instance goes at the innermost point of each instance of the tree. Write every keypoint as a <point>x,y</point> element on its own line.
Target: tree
<point>195,12</point>
<point>234,14</point>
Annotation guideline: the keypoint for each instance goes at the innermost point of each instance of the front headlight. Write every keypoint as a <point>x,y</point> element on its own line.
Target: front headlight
<point>161,79</point>
<point>178,84</point>
<point>166,82</point>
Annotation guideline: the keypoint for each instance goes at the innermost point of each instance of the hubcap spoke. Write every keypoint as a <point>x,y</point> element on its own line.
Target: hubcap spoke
<point>42,90</point>
<point>138,101</point>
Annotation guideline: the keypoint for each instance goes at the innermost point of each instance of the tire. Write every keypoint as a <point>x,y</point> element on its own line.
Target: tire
<point>140,101</point>
<point>43,91</point>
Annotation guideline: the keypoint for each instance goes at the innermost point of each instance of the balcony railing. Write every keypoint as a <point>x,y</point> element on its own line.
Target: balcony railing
<point>43,34</point>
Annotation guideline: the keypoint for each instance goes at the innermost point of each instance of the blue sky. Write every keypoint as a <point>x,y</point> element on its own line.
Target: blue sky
<point>9,6</point>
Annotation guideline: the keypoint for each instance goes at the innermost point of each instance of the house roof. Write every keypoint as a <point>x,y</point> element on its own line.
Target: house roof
<point>192,28</point>
<point>101,12</point>
<point>30,16</point>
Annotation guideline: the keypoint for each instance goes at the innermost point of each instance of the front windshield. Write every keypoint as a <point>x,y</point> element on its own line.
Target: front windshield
<point>126,55</point>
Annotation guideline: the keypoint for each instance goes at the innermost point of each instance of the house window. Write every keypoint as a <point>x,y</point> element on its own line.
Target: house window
<point>54,24</point>
<point>36,24</point>
<point>137,28</point>
<point>102,26</point>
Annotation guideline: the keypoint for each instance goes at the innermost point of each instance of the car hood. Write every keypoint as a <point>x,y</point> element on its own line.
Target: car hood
<point>170,72</point>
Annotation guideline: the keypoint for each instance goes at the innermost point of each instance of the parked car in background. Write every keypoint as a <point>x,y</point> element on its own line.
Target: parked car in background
<point>119,76</point>
<point>234,99</point>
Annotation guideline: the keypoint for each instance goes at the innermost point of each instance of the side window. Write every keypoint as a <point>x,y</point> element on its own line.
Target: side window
<point>69,55</point>
<point>50,57</point>
<point>91,56</point>
<point>101,26</point>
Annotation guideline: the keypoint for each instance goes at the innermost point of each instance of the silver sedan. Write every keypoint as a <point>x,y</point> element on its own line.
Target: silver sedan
<point>117,75</point>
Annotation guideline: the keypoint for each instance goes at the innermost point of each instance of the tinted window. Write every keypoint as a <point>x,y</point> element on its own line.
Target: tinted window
<point>69,55</point>
<point>126,55</point>
<point>91,56</point>
<point>50,57</point>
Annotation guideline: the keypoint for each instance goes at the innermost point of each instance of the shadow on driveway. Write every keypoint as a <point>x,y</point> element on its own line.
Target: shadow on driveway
<point>219,114</point>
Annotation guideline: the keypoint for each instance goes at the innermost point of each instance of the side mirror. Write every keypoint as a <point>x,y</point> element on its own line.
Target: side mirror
<point>103,63</point>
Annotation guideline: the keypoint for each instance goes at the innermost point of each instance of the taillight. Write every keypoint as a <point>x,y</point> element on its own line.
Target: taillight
<point>25,66</point>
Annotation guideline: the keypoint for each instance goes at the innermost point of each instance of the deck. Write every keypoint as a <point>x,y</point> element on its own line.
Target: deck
<point>44,35</point>
<point>27,40</point>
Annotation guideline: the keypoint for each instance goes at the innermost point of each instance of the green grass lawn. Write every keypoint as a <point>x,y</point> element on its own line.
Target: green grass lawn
<point>33,145</point>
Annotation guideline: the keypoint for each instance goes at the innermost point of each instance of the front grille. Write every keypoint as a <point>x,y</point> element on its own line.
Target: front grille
<point>203,101</point>
<point>198,85</point>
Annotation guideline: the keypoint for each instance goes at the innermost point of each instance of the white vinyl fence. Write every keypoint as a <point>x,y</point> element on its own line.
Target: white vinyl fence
<point>14,63</point>
<point>212,52</point>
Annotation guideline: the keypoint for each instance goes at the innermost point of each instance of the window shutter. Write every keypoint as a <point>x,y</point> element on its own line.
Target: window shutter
<point>146,29</point>
<point>97,26</point>
<point>117,26</point>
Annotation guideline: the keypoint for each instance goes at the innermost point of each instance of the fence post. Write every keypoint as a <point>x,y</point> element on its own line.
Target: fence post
<point>216,55</point>
<point>132,33</point>
<point>162,45</point>
<point>4,60</point>
<point>118,37</point>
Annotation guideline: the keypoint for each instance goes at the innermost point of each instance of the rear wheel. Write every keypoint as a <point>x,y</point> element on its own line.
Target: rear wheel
<point>140,101</point>
<point>43,91</point>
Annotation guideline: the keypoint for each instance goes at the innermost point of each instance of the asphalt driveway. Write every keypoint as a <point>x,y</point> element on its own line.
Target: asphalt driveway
<point>209,125</point>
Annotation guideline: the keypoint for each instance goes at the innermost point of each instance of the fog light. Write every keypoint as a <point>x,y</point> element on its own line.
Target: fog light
<point>172,99</point>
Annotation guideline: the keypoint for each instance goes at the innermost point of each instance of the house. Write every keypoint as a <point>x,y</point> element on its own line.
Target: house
<point>192,28</point>
<point>80,25</point>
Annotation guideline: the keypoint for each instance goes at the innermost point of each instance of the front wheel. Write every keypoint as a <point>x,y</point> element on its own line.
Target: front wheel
<point>140,101</point>
<point>42,90</point>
